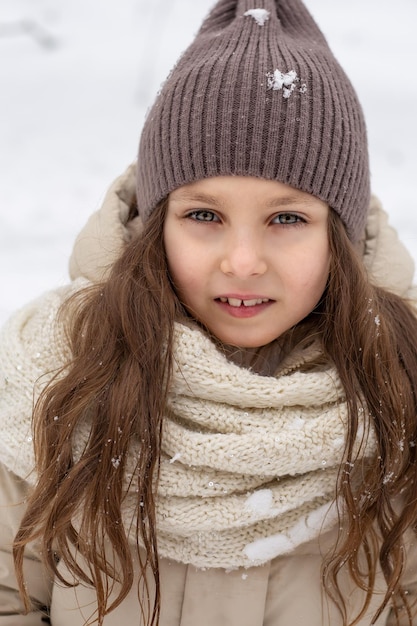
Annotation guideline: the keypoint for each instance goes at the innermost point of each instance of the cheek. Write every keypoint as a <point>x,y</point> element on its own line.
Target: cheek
<point>177,270</point>
<point>174,254</point>
<point>313,272</point>
<point>321,274</point>
<point>188,265</point>
<point>183,269</point>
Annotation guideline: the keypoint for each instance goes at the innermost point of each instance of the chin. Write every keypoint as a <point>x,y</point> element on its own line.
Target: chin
<point>246,343</point>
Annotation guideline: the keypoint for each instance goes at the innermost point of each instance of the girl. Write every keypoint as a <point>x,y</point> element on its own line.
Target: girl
<point>224,428</point>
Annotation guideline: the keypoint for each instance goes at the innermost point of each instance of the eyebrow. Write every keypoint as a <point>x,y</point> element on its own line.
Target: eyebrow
<point>288,201</point>
<point>198,197</point>
<point>272,203</point>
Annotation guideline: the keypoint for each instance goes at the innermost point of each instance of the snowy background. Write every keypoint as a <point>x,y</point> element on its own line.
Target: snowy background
<point>77,76</point>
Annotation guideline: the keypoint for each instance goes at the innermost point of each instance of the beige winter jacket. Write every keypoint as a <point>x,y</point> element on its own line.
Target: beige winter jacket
<point>284,592</point>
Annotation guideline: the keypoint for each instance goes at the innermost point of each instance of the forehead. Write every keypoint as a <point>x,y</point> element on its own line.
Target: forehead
<point>220,189</point>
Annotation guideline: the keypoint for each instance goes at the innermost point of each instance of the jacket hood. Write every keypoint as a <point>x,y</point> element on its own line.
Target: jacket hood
<point>117,222</point>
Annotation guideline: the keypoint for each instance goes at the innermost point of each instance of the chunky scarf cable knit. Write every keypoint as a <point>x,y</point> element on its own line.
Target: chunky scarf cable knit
<point>249,462</point>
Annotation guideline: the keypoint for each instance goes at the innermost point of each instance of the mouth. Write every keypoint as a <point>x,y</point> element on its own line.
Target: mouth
<point>243,308</point>
<point>238,302</point>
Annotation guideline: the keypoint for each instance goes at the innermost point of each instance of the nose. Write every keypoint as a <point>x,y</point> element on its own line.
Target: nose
<point>243,257</point>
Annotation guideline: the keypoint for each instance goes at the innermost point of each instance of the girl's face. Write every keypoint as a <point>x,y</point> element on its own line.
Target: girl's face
<point>249,257</point>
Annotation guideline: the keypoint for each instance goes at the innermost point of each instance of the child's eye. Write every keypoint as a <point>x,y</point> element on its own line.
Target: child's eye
<point>203,216</point>
<point>287,219</point>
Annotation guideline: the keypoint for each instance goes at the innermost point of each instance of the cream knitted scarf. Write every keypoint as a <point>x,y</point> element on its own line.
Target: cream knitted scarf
<point>249,462</point>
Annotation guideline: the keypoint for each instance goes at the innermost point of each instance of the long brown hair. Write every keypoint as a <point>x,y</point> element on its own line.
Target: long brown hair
<point>370,335</point>
<point>120,334</point>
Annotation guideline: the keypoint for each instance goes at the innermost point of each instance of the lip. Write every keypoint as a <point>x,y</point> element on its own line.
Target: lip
<point>241,296</point>
<point>243,312</point>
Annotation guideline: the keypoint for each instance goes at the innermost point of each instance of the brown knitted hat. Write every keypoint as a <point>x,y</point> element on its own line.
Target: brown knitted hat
<point>258,93</point>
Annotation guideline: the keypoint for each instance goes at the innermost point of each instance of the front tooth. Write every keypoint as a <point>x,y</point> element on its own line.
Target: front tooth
<point>234,301</point>
<point>250,302</point>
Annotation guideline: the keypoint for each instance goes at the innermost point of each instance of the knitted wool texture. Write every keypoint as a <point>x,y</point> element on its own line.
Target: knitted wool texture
<point>258,93</point>
<point>249,463</point>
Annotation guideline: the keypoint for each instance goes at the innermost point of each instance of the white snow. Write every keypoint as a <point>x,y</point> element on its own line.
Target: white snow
<point>277,80</point>
<point>116,461</point>
<point>297,423</point>
<point>80,75</point>
<point>261,16</point>
<point>388,478</point>
<point>260,502</point>
<point>267,548</point>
